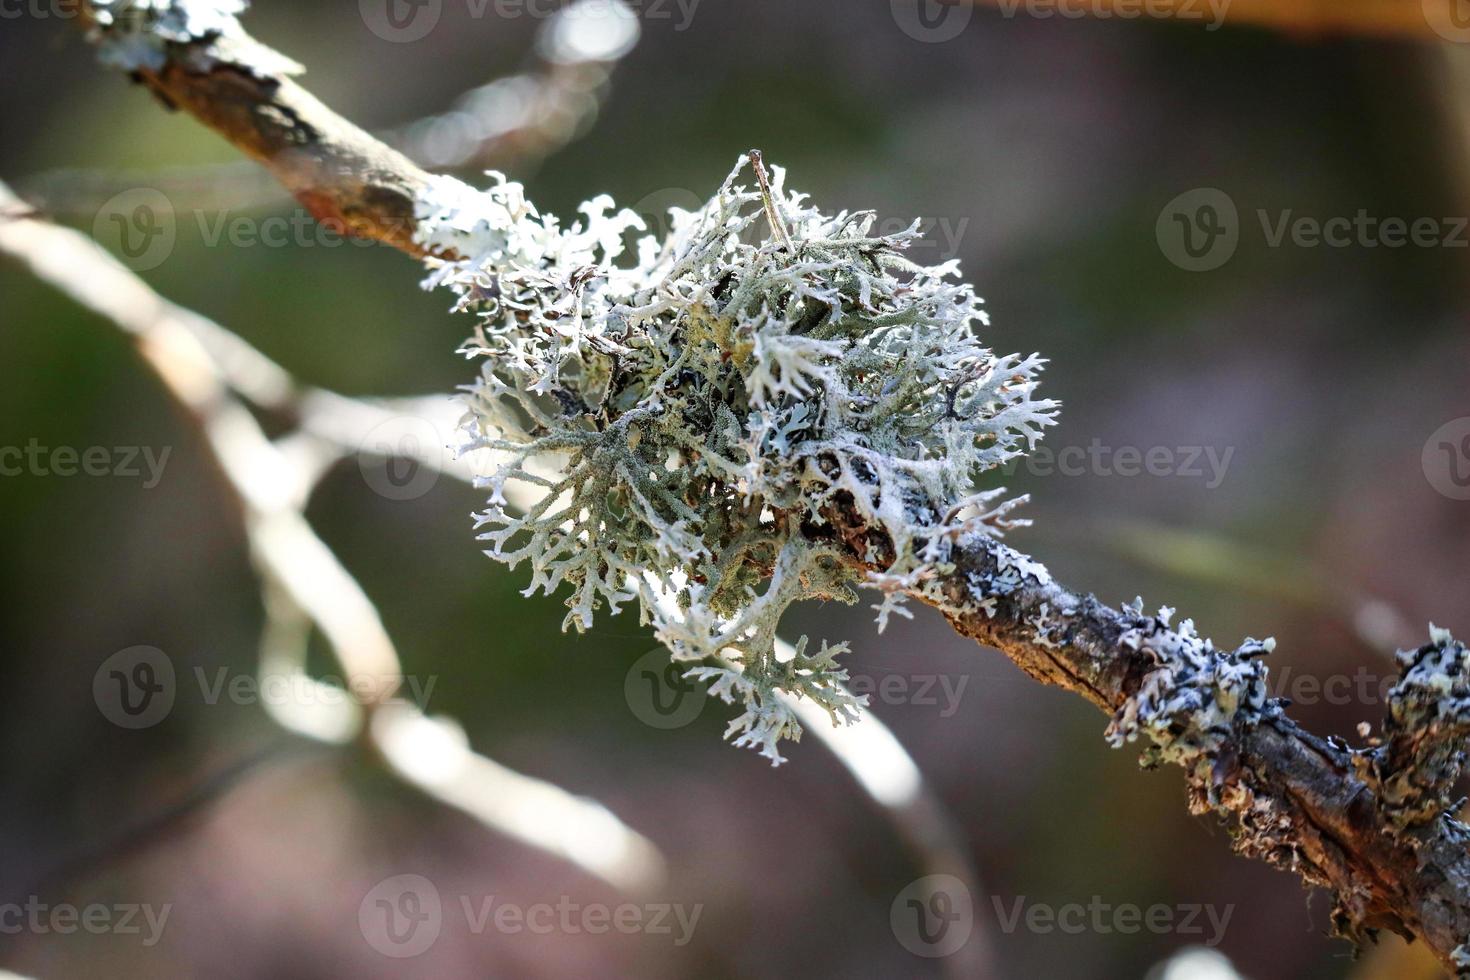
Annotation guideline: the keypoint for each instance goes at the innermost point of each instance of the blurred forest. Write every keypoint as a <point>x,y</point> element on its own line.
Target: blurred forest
<point>1043,154</point>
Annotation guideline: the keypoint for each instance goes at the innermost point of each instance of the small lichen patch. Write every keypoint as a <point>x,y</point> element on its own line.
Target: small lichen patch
<point>1195,701</point>
<point>145,34</point>
<point>1414,764</point>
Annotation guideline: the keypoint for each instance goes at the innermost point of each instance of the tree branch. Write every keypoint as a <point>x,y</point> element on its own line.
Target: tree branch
<point>1371,824</point>
<point>243,90</point>
<point>1291,798</point>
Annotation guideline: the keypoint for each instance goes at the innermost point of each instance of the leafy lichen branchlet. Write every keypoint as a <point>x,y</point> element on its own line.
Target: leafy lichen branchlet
<point>713,404</point>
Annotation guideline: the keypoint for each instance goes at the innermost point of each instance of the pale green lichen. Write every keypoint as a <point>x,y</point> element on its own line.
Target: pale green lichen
<point>706,409</point>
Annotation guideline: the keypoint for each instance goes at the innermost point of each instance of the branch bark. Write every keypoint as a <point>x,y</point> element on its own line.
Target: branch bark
<point>1305,804</point>
<point>347,178</point>
<point>1290,798</point>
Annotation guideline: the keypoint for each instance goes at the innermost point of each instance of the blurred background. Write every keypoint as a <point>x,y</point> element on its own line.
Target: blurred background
<point>1261,426</point>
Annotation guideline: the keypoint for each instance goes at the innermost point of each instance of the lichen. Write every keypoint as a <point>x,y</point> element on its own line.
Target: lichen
<point>1195,701</point>
<point>145,34</point>
<point>1460,959</point>
<point>1415,763</point>
<point>711,407</point>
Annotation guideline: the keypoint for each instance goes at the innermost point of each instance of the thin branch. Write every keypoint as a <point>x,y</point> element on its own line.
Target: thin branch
<point>1292,798</point>
<point>529,115</point>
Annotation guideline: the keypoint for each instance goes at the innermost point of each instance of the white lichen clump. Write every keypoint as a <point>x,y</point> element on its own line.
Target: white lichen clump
<point>699,421</point>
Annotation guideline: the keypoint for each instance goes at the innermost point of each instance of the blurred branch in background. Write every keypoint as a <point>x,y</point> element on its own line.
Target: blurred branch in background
<point>511,122</point>
<point>303,579</point>
<point>524,118</point>
<point>209,369</point>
